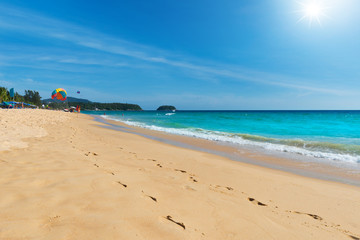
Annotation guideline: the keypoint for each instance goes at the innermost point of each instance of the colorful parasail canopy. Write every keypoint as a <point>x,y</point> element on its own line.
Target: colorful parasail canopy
<point>59,94</point>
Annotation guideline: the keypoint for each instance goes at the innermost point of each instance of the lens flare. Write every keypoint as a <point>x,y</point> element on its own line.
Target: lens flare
<point>312,11</point>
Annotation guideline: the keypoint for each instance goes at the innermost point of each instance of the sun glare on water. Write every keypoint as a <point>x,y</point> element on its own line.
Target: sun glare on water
<point>312,11</point>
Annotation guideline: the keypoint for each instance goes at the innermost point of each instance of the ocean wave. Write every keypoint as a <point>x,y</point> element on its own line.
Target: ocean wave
<point>323,150</point>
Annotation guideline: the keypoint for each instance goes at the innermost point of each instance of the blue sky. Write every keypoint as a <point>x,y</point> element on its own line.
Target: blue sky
<point>204,54</point>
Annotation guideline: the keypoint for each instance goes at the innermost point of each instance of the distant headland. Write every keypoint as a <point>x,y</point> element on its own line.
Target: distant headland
<point>88,105</point>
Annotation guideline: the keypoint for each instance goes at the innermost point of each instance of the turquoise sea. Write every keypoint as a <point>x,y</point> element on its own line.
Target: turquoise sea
<point>332,136</point>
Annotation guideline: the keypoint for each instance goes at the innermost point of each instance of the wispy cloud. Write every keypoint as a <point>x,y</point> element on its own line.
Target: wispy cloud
<point>5,83</point>
<point>35,25</point>
<point>29,80</point>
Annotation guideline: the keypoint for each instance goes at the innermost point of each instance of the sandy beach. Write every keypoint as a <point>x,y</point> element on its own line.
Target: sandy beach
<point>64,176</point>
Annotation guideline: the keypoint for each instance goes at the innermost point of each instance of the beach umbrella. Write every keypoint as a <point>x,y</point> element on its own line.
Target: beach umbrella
<point>59,94</point>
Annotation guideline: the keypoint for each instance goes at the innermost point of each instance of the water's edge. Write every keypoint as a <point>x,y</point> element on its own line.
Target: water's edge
<point>330,173</point>
<point>320,146</point>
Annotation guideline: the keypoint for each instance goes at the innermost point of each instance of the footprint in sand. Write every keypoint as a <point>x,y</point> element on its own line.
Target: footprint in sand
<point>221,189</point>
<point>173,221</point>
<point>314,216</point>
<point>353,237</point>
<point>189,188</point>
<point>90,153</point>
<point>325,224</point>
<point>193,179</point>
<point>122,184</point>
<point>191,176</point>
<point>256,202</point>
<point>109,172</point>
<point>151,197</point>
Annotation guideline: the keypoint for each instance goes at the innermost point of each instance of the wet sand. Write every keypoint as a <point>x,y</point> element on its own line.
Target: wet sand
<point>300,166</point>
<point>69,177</point>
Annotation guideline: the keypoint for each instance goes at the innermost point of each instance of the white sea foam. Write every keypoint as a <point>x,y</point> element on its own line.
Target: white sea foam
<point>236,139</point>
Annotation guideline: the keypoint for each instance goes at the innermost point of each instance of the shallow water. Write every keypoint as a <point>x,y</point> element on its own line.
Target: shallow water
<point>332,136</point>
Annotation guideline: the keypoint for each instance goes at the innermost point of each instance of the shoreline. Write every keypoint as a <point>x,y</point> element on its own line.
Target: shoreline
<point>81,180</point>
<point>317,170</point>
<point>285,140</point>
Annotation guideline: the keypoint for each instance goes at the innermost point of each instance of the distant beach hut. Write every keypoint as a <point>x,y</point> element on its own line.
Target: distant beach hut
<point>5,105</point>
<point>13,104</point>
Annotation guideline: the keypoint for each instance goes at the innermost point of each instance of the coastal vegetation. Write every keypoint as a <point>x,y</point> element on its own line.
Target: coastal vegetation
<point>166,108</point>
<point>33,97</point>
<point>97,106</point>
<point>30,96</point>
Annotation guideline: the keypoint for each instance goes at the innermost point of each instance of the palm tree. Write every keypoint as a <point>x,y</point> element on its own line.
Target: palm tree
<point>4,94</point>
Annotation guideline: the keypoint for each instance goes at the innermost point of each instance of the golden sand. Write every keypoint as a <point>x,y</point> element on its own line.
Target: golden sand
<point>62,176</point>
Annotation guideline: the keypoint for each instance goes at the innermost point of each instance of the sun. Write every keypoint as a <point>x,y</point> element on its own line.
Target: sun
<point>312,11</point>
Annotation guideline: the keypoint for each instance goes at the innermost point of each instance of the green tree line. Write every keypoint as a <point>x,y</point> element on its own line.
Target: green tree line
<point>97,106</point>
<point>30,96</point>
<point>166,108</point>
<point>33,97</point>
